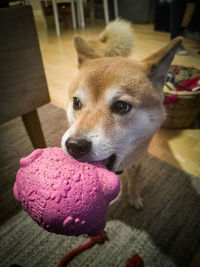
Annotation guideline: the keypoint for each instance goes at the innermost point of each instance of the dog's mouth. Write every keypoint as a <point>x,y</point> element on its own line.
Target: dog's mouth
<point>109,162</point>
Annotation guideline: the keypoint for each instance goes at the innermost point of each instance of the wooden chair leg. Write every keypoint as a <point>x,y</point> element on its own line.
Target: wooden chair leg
<point>32,124</point>
<point>73,13</point>
<point>56,17</point>
<point>116,9</point>
<point>106,11</point>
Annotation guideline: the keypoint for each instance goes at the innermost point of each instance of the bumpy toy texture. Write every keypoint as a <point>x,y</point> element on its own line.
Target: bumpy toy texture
<point>65,196</point>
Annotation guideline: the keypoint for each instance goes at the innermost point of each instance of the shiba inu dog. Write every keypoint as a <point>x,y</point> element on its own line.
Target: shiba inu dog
<point>115,103</point>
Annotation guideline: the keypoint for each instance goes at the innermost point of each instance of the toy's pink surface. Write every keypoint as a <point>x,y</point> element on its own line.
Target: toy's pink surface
<point>63,195</point>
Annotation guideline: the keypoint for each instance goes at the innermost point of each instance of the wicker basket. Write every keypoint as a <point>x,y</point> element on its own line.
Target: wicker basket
<point>184,110</point>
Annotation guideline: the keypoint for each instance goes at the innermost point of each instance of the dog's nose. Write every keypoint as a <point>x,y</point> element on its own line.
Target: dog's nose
<point>78,148</point>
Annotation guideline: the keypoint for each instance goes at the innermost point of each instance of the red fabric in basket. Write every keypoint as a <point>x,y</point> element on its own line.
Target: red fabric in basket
<point>189,84</point>
<point>170,100</point>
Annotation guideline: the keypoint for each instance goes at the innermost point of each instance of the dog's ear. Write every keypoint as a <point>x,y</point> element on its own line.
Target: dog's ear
<point>157,65</point>
<point>84,50</point>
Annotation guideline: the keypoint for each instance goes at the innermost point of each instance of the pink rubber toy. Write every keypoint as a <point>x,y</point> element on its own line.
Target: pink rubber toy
<point>65,196</point>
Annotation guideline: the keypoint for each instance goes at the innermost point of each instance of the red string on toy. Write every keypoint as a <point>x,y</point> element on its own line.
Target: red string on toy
<point>71,254</point>
<point>135,261</point>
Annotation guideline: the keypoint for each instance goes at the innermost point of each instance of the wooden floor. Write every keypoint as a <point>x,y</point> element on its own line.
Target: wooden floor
<point>180,148</point>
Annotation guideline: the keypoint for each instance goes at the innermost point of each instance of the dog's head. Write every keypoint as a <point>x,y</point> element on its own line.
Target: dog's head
<point>115,104</point>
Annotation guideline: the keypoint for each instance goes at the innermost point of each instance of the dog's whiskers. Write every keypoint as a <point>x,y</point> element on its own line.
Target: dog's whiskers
<point>128,142</point>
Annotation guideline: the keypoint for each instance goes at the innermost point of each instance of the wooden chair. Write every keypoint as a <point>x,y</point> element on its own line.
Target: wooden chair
<point>106,10</point>
<point>22,78</point>
<point>77,10</point>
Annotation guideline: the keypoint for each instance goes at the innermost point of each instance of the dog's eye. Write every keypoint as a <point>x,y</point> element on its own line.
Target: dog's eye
<point>120,107</point>
<point>76,103</point>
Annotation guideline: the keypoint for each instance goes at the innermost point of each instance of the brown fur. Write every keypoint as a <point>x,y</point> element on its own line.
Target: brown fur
<point>100,74</point>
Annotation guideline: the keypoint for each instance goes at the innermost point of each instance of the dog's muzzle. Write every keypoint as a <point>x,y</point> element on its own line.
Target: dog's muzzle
<point>79,147</point>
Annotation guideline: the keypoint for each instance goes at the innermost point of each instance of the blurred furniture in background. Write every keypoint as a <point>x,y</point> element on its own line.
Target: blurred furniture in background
<point>77,10</point>
<point>91,5</point>
<point>137,11</point>
<point>106,8</point>
<point>23,82</point>
<point>80,12</point>
<point>116,12</point>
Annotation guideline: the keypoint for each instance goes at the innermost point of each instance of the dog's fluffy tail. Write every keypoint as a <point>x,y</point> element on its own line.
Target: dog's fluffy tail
<point>115,40</point>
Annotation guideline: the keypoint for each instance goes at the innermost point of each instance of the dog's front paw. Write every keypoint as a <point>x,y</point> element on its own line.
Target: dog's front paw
<point>136,202</point>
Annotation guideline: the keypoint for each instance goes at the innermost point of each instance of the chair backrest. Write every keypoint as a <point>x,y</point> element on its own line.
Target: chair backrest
<point>23,85</point>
